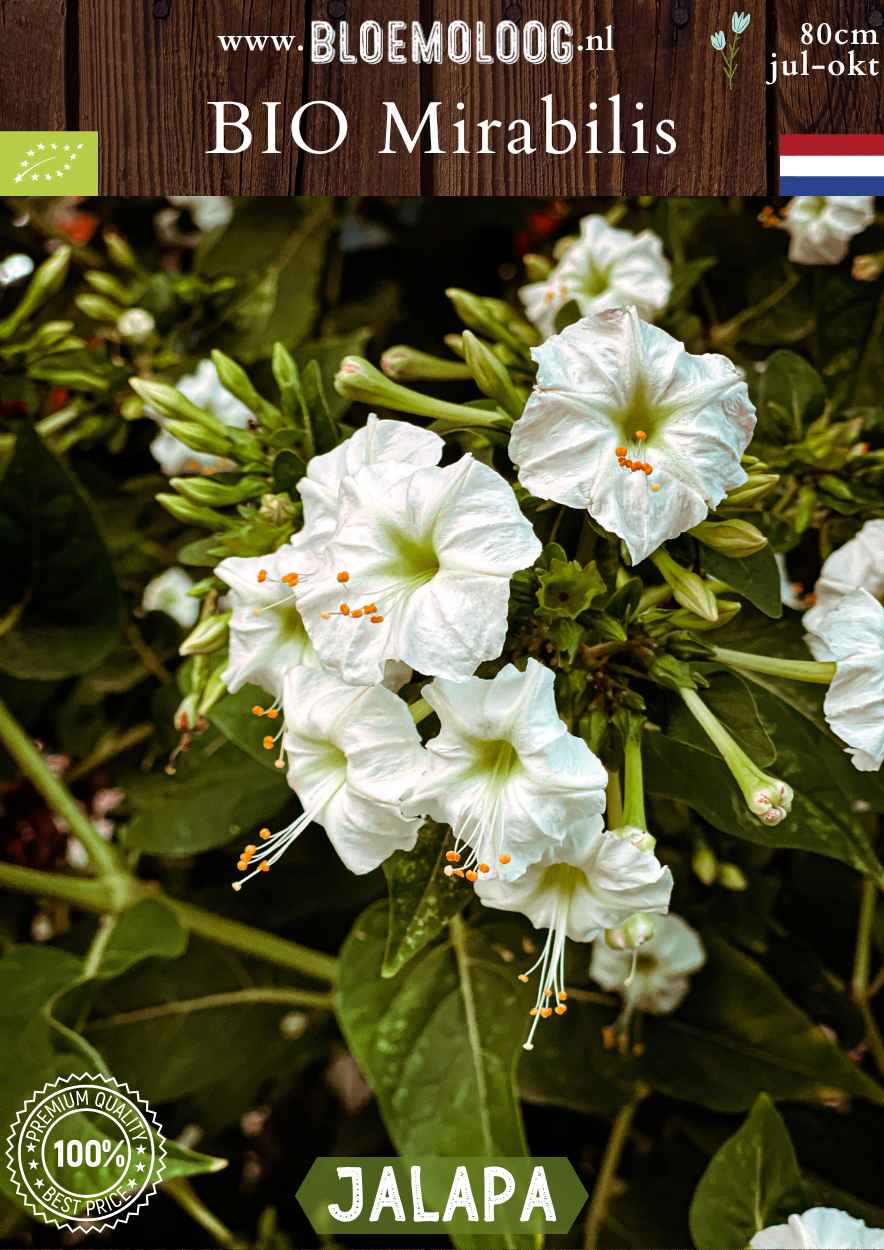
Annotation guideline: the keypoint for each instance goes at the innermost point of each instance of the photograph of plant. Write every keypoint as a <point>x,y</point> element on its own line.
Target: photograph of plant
<point>442,699</point>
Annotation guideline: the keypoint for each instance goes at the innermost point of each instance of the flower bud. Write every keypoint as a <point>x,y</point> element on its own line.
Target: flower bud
<point>136,325</point>
<point>214,691</point>
<point>358,380</point>
<point>277,509</point>
<point>771,801</point>
<point>490,375</point>
<point>754,488</point>
<point>235,380</point>
<point>704,863</point>
<point>97,307</point>
<point>406,364</point>
<point>727,610</point>
<point>207,636</point>
<point>636,931</point>
<point>732,877</point>
<point>537,268</point>
<point>191,514</point>
<point>868,268</point>
<point>217,494</point>
<point>735,538</point>
<point>187,714</point>
<point>109,286</point>
<point>47,279</point>
<point>200,438</point>
<point>119,250</point>
<point>688,588</point>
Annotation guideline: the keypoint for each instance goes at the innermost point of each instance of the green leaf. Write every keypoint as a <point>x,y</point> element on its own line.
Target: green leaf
<point>60,603</point>
<point>790,394</point>
<point>324,432</point>
<point>422,898</point>
<point>819,821</point>
<point>755,577</point>
<point>234,717</point>
<point>439,1042</point>
<point>731,699</point>
<point>147,930</point>
<point>288,469</point>
<point>752,1182</point>
<point>218,793</point>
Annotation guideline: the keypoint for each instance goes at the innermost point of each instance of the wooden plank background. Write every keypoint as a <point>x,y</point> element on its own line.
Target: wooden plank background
<point>140,73</point>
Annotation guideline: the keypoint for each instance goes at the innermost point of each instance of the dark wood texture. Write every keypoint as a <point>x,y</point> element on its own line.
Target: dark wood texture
<point>140,72</point>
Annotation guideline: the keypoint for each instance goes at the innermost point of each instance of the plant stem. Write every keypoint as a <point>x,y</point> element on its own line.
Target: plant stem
<point>614,1149</point>
<point>257,996</point>
<point>89,895</point>
<point>633,782</point>
<point>817,671</point>
<point>861,964</point>
<point>420,710</point>
<point>182,1192</point>
<point>21,747</point>
<point>255,942</point>
<point>614,804</point>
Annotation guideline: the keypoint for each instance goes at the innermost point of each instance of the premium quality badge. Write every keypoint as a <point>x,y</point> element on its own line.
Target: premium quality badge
<point>85,1152</point>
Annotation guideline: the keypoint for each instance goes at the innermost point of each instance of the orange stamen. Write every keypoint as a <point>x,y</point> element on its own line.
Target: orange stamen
<point>376,620</point>
<point>471,875</point>
<point>504,859</point>
<point>257,710</point>
<point>264,865</point>
<point>356,614</point>
<point>262,575</point>
<point>267,743</point>
<point>640,435</point>
<point>264,833</point>
<point>272,713</point>
<point>291,579</point>
<point>484,868</point>
<point>343,576</point>
<point>452,857</point>
<point>345,609</point>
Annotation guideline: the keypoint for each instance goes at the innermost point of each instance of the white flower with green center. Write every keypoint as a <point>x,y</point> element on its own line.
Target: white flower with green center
<point>852,634</point>
<point>820,227</point>
<point>590,882</point>
<point>605,268</point>
<point>417,570</point>
<point>504,772</point>
<point>348,750</point>
<point>169,592</point>
<point>820,1228</point>
<point>628,425</point>
<point>656,977</point>
<point>203,388</point>
<point>858,565</point>
<point>378,442</point>
<point>267,635</point>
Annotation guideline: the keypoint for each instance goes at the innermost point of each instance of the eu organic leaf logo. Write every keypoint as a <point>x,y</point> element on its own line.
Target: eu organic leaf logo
<point>48,161</point>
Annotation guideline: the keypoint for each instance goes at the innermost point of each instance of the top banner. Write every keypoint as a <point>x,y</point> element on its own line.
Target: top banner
<point>448,97</point>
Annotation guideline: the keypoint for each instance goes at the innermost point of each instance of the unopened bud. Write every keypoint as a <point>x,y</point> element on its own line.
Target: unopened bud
<point>213,692</point>
<point>136,325</point>
<point>754,488</point>
<point>358,380</point>
<point>208,636</point>
<point>234,379</point>
<point>688,588</point>
<point>277,509</point>
<point>537,268</point>
<point>405,364</point>
<point>187,714</point>
<point>217,494</point>
<point>705,864</point>
<point>119,250</point>
<point>199,438</point>
<point>868,268</point>
<point>727,610</point>
<point>106,284</point>
<point>47,279</point>
<point>490,375</point>
<point>169,402</point>
<point>191,514</point>
<point>772,801</point>
<point>97,307</point>
<point>732,877</point>
<point>735,538</point>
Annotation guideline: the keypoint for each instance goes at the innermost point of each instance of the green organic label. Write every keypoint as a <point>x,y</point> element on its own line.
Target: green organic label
<point>48,162</point>
<point>444,1195</point>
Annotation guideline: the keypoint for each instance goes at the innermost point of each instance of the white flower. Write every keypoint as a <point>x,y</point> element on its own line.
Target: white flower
<point>821,226</point>
<point>591,882</point>
<point>605,268</point>
<point>718,41</point>
<point>627,424</point>
<point>267,636</point>
<point>168,592</point>
<point>859,564</point>
<point>504,772</point>
<point>207,211</point>
<point>348,749</point>
<point>656,977</point>
<point>376,443</point>
<point>852,634</point>
<point>790,592</point>
<point>203,388</point>
<point>820,1228</point>
<point>14,268</point>
<point>417,570</point>
<point>740,22</point>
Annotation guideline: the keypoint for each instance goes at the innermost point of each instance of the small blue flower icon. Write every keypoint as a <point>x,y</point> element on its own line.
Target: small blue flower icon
<point>739,25</point>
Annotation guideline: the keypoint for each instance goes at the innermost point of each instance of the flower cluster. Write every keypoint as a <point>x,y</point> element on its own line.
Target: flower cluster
<point>416,640</point>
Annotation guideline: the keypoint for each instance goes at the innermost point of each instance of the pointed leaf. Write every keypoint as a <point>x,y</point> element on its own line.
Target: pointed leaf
<point>422,898</point>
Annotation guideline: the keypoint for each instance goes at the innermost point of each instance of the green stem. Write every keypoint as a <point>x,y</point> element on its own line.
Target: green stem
<point>257,996</point>
<point>602,1191</point>
<point>182,1192</point>
<point>861,966</point>
<point>614,806</point>
<point>633,781</point>
<point>255,942</point>
<point>420,710</point>
<point>816,671</point>
<point>31,762</point>
<point>88,895</point>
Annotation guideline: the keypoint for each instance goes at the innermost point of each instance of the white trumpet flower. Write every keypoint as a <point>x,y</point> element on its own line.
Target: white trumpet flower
<point>820,1228</point>
<point>857,565</point>
<point>591,882</point>
<point>348,748</point>
<point>820,227</point>
<point>656,977</point>
<point>852,634</point>
<point>417,570</point>
<point>203,388</point>
<point>168,592</point>
<point>504,772</point>
<point>628,425</point>
<point>604,268</point>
